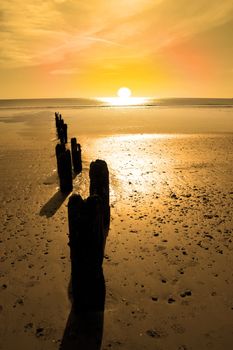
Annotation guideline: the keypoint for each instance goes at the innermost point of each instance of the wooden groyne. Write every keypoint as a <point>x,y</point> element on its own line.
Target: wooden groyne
<point>88,220</point>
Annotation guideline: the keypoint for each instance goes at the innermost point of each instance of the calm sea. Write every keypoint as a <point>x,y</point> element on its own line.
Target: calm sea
<point>87,103</point>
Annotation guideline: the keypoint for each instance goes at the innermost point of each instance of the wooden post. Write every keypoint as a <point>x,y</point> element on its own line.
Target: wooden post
<point>65,133</point>
<point>76,155</point>
<point>60,128</point>
<point>61,131</point>
<point>99,185</point>
<point>65,171</point>
<point>86,241</point>
<point>60,148</point>
<point>56,119</point>
<point>58,123</point>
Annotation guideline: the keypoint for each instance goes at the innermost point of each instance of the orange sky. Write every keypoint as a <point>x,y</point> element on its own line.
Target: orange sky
<point>70,48</point>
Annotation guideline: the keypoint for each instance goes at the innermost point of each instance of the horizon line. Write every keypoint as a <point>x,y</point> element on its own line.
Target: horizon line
<point>99,97</point>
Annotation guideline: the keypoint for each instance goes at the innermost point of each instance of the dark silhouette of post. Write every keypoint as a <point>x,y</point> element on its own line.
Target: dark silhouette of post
<point>86,241</point>
<point>61,128</point>
<point>59,149</point>
<point>64,168</point>
<point>56,119</point>
<point>76,155</point>
<point>65,133</point>
<point>99,185</point>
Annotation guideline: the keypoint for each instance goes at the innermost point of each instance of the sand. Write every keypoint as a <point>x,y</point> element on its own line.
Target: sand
<point>168,259</point>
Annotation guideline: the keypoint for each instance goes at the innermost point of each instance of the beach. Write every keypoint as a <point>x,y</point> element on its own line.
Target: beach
<point>168,256</point>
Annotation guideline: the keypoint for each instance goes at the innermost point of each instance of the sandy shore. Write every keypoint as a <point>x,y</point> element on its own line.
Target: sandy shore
<point>168,262</point>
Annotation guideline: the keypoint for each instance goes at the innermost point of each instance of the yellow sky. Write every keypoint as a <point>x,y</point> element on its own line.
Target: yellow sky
<point>71,48</point>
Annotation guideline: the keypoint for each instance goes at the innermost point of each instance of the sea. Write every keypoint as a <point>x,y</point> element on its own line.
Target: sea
<point>103,103</point>
<point>104,116</point>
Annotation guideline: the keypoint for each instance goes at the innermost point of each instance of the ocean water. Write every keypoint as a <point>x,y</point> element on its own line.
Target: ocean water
<point>146,116</point>
<point>85,103</point>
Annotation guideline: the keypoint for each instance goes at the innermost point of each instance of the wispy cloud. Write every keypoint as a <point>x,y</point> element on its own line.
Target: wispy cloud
<point>104,41</point>
<point>35,32</point>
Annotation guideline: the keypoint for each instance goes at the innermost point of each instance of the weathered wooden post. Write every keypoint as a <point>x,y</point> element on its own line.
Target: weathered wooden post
<point>60,130</point>
<point>58,123</point>
<point>86,241</point>
<point>99,185</point>
<point>56,119</point>
<point>65,171</point>
<point>76,155</point>
<point>60,148</point>
<point>65,133</point>
<point>61,135</point>
<point>60,119</point>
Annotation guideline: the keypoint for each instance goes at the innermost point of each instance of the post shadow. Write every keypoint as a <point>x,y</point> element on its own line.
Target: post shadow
<point>84,329</point>
<point>53,204</point>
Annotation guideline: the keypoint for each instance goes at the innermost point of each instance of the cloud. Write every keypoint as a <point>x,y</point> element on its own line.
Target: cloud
<point>104,41</point>
<point>36,33</point>
<point>168,23</point>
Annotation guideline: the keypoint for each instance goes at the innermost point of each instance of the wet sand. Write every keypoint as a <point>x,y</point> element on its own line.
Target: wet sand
<point>168,261</point>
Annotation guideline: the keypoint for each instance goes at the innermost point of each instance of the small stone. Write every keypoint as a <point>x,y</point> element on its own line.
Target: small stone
<point>28,326</point>
<point>154,298</point>
<point>19,301</point>
<point>174,196</point>
<point>171,300</point>
<point>39,332</point>
<point>186,293</point>
<point>152,333</point>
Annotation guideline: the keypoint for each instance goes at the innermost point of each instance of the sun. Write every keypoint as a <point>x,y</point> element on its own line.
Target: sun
<point>124,99</point>
<point>124,93</point>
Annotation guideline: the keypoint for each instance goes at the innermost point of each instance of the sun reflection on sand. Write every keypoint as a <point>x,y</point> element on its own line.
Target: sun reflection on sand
<point>141,137</point>
<point>140,162</point>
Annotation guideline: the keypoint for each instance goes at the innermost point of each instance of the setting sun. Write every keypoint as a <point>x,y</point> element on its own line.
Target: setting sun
<point>124,98</point>
<point>124,92</point>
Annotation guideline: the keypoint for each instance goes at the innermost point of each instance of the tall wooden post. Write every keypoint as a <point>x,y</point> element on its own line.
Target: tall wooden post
<point>64,170</point>
<point>59,149</point>
<point>99,185</point>
<point>86,241</point>
<point>65,133</point>
<point>76,155</point>
<point>56,119</point>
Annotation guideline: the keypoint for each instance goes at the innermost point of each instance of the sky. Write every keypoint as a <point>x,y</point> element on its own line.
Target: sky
<point>157,48</point>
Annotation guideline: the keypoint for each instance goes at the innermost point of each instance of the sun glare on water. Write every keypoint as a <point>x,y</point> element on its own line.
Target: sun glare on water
<point>124,98</point>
